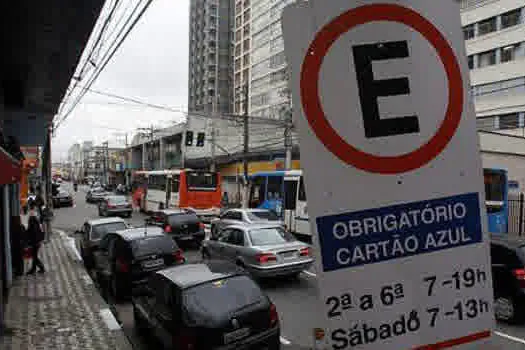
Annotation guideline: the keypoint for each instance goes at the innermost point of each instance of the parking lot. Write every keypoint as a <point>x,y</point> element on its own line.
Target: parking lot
<point>295,298</point>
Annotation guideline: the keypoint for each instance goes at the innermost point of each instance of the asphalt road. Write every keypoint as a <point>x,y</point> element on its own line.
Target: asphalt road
<point>295,299</point>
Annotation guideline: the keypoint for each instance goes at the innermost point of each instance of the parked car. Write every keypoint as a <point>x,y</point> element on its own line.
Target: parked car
<point>182,225</point>
<point>96,194</point>
<point>265,250</point>
<point>248,216</point>
<point>62,198</point>
<point>92,231</point>
<point>212,305</point>
<point>125,259</point>
<point>115,205</point>
<point>508,277</point>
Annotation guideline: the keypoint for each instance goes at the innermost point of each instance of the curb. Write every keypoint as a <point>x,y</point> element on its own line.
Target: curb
<point>94,298</point>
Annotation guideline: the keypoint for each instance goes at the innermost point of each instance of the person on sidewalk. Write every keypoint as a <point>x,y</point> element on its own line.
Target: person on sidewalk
<point>39,201</point>
<point>35,236</point>
<point>18,232</point>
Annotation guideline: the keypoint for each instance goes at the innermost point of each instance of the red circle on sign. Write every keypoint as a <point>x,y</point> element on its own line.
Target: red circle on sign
<point>313,109</point>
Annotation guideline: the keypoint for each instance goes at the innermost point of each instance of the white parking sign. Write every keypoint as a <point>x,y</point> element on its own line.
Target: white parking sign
<point>393,172</point>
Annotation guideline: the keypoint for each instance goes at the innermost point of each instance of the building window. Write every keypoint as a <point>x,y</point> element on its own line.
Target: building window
<point>246,30</point>
<point>245,76</point>
<point>246,59</point>
<point>486,123</point>
<point>238,21</point>
<point>510,19</point>
<point>238,36</point>
<point>487,59</point>
<point>508,53</point>
<point>237,79</point>
<point>509,121</point>
<point>471,62</point>
<point>246,45</point>
<point>487,26</point>
<point>238,64</point>
<point>238,50</point>
<point>468,32</point>
<point>238,7</point>
<point>247,15</point>
<point>277,60</point>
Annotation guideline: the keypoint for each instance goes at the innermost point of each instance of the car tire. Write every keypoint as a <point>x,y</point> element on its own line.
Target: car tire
<point>506,309</point>
<point>205,254</point>
<point>139,322</point>
<point>116,288</point>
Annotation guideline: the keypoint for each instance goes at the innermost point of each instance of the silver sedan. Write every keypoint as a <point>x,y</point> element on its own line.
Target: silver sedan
<point>244,216</point>
<point>264,250</point>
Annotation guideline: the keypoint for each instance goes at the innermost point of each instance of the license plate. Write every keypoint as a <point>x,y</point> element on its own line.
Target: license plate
<point>153,263</point>
<point>236,335</point>
<point>289,255</point>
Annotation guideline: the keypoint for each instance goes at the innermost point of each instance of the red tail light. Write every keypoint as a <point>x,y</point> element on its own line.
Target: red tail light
<point>122,266</point>
<point>264,258</point>
<point>274,316</point>
<point>167,229</point>
<point>185,340</point>
<point>520,276</point>
<point>178,256</point>
<point>111,206</point>
<point>304,252</point>
<point>201,226</point>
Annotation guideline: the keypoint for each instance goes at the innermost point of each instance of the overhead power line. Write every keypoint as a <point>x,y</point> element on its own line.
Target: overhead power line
<point>107,58</point>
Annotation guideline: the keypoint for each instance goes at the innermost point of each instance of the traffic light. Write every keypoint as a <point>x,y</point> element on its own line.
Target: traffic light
<point>200,139</point>
<point>189,138</point>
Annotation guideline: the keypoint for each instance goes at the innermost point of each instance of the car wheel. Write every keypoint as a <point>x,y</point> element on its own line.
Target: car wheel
<point>116,289</point>
<point>139,322</point>
<point>205,254</point>
<point>506,309</point>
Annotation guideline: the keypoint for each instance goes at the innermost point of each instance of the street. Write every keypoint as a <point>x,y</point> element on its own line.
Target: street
<point>295,299</point>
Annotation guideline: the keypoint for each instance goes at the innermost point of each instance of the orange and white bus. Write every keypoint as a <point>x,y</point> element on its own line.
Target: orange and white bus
<point>198,191</point>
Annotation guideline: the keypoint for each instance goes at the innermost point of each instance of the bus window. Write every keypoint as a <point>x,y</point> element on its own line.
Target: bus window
<point>201,181</point>
<point>175,184</point>
<point>290,194</point>
<point>258,189</point>
<point>302,191</point>
<point>275,187</point>
<point>157,182</point>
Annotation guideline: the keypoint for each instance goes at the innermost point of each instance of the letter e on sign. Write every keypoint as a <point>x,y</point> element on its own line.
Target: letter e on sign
<point>369,90</point>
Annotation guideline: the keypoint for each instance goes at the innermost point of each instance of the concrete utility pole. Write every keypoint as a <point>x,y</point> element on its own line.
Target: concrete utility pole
<point>288,140</point>
<point>246,144</point>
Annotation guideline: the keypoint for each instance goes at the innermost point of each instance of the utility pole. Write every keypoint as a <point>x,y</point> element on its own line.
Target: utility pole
<point>246,144</point>
<point>288,140</point>
<point>105,147</point>
<point>214,115</point>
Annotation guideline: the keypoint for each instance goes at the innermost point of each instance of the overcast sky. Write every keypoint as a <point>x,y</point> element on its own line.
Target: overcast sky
<point>151,65</point>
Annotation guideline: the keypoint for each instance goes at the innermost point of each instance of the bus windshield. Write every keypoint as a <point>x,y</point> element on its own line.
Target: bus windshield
<point>494,186</point>
<point>201,181</point>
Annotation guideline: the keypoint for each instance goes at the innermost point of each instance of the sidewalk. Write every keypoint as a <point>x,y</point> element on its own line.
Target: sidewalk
<point>60,309</point>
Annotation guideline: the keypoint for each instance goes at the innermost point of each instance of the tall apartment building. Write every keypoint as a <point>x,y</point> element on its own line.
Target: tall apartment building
<point>210,56</point>
<point>494,33</point>
<point>259,61</point>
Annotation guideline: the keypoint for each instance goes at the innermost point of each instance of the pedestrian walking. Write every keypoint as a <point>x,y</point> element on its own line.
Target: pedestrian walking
<point>35,236</point>
<point>18,239</point>
<point>39,202</point>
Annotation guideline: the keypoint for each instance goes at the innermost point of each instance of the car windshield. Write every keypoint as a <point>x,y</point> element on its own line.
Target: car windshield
<point>262,216</point>
<point>220,298</point>
<point>99,231</point>
<point>269,236</point>
<point>179,219</point>
<point>153,245</point>
<point>118,200</point>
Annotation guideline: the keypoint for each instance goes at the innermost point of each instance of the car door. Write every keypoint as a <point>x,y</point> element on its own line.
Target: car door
<point>236,244</point>
<point>166,319</point>
<point>102,255</point>
<point>217,248</point>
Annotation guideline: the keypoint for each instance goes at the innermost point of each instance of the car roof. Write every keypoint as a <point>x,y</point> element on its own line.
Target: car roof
<point>173,211</point>
<point>253,226</point>
<point>190,275</point>
<point>94,222</point>
<point>508,241</point>
<point>140,233</point>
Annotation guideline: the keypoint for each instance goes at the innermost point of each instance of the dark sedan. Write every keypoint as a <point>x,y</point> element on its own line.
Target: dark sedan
<point>182,225</point>
<point>125,259</point>
<point>62,199</point>
<point>207,306</point>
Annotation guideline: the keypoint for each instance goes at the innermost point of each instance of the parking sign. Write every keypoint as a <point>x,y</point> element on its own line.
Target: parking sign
<point>393,172</point>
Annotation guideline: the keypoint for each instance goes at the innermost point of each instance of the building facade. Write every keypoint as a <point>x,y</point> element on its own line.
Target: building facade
<point>210,56</point>
<point>495,40</point>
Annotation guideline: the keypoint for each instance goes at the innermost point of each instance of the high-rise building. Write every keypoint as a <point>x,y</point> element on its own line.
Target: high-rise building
<point>259,58</point>
<point>210,56</point>
<point>495,40</point>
